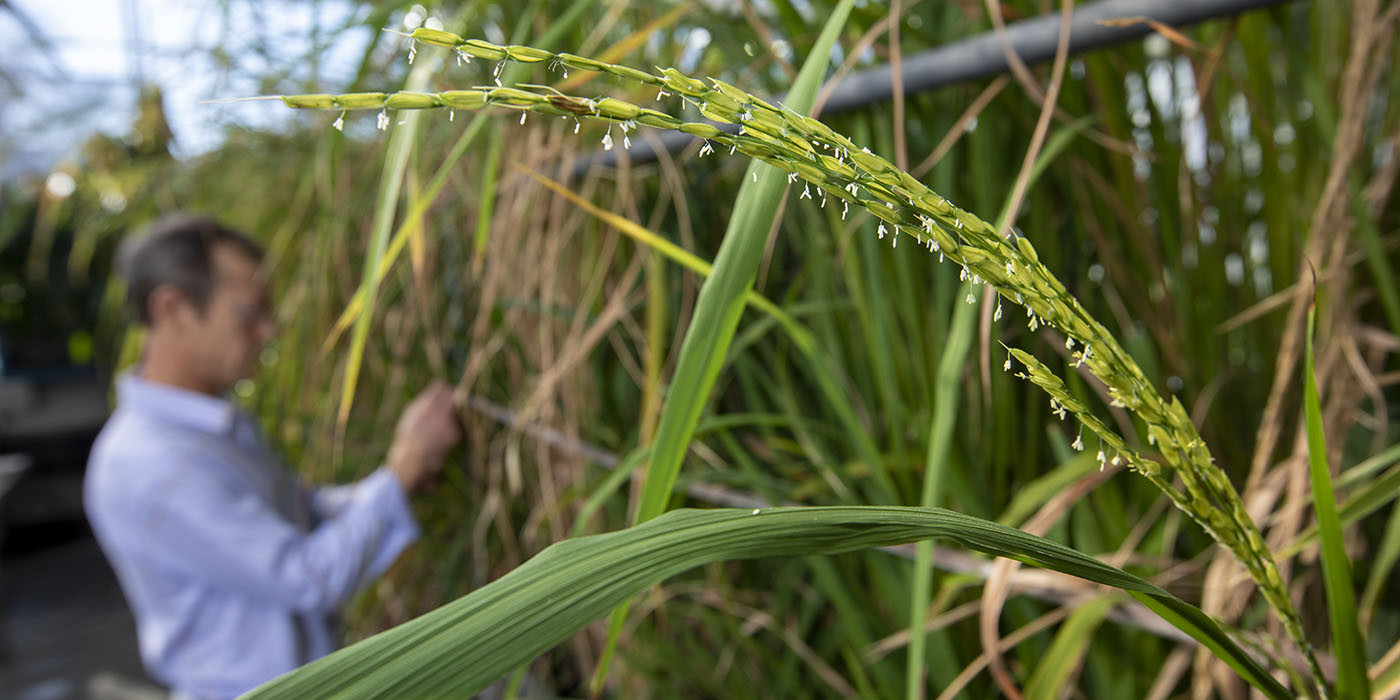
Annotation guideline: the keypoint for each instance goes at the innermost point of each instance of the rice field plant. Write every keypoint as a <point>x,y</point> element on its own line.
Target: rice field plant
<point>1142,311</point>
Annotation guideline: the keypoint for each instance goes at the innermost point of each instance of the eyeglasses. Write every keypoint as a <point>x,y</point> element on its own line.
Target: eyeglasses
<point>251,315</point>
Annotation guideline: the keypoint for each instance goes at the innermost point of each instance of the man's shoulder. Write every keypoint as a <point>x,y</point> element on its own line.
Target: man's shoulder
<point>130,438</point>
<point>133,455</point>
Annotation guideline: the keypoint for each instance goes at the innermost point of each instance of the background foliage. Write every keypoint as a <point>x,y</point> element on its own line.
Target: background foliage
<point>1190,189</point>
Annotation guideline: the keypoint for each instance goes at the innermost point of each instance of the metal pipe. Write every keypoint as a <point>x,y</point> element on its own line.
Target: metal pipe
<point>980,56</point>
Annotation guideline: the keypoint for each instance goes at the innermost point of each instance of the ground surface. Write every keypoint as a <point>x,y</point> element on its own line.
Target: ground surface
<point>65,630</point>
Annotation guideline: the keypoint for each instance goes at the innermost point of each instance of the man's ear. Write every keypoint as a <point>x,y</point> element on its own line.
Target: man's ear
<point>169,306</point>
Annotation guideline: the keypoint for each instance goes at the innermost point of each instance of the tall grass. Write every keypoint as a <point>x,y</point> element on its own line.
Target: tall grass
<point>790,141</point>
<point>546,309</point>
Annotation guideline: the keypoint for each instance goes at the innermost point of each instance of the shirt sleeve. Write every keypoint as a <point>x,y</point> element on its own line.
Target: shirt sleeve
<point>327,501</point>
<point>231,537</point>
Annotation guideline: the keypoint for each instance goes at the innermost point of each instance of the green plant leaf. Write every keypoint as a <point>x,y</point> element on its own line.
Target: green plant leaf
<point>721,301</point>
<point>470,643</point>
<point>945,403</point>
<point>1347,646</point>
<point>390,186</point>
<point>1366,499</point>
<point>722,297</point>
<point>1050,675</point>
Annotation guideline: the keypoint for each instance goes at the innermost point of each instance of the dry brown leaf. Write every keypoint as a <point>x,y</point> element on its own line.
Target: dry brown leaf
<point>1170,33</point>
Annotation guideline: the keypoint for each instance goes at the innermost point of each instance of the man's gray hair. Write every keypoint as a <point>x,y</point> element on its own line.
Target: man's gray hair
<point>177,250</point>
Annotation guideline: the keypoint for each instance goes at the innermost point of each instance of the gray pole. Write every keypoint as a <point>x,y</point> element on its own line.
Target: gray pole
<point>981,56</point>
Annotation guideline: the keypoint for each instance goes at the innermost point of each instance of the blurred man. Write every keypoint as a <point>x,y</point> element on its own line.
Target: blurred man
<point>233,568</point>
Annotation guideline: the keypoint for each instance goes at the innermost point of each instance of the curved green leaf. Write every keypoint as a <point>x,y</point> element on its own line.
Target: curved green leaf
<point>466,645</point>
<point>724,293</point>
<point>717,310</point>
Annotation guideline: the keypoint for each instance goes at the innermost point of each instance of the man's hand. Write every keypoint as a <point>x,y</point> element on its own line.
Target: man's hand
<point>427,429</point>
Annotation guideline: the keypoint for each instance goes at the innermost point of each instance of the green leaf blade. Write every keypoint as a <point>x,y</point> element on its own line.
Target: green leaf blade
<point>722,297</point>
<point>468,644</point>
<point>1348,647</point>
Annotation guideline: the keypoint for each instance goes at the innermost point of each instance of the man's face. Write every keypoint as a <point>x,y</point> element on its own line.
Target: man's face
<point>228,338</point>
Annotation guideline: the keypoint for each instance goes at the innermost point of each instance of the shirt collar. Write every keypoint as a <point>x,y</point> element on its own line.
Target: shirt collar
<point>174,405</point>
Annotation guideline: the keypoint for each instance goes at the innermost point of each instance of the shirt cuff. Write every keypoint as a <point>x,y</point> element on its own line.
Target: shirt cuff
<point>391,503</point>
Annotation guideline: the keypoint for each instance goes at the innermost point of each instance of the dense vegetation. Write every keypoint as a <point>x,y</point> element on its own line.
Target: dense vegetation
<point>1191,192</point>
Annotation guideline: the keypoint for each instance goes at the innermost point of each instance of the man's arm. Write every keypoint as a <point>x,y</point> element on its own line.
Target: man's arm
<point>203,527</point>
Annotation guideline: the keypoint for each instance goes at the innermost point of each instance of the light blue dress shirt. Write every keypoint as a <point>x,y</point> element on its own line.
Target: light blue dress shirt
<point>233,568</point>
